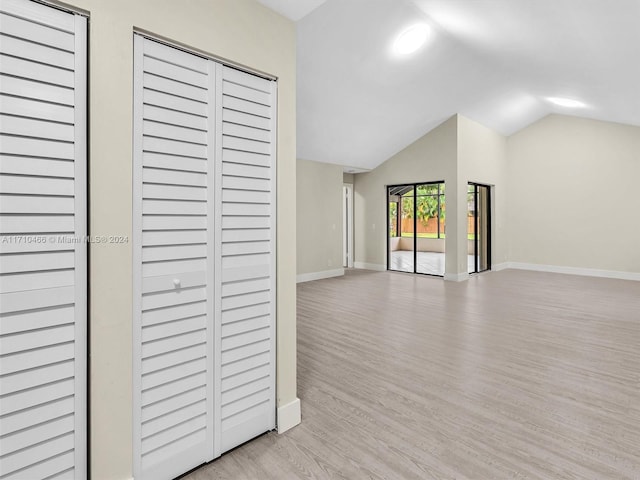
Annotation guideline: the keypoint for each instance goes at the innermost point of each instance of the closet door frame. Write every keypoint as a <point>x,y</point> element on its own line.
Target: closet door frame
<point>217,267</point>
<point>82,231</point>
<point>136,242</point>
<point>274,243</point>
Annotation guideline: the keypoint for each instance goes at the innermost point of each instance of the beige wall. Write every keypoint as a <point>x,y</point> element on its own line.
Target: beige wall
<point>563,192</point>
<point>573,194</point>
<point>348,178</point>
<point>431,157</point>
<point>242,31</point>
<point>319,216</point>
<point>458,151</point>
<point>482,158</point>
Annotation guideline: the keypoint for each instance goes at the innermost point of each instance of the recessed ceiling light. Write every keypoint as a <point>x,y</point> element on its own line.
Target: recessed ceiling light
<point>566,102</point>
<point>411,39</point>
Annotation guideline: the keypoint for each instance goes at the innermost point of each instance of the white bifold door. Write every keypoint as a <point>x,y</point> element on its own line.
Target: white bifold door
<point>204,258</point>
<point>43,261</point>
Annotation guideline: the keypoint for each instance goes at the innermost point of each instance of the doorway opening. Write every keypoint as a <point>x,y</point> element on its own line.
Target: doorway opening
<point>347,225</point>
<point>416,228</point>
<point>479,227</point>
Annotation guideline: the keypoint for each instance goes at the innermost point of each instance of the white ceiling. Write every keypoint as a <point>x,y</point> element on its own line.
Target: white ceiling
<point>494,61</point>
<point>292,9</point>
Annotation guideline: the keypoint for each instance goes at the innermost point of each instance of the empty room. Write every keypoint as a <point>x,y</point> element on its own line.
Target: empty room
<point>319,239</point>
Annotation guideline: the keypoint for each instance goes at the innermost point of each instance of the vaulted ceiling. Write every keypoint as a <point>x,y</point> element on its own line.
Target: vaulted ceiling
<point>494,61</point>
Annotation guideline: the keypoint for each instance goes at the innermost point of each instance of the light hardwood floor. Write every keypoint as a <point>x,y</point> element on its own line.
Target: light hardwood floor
<point>510,375</point>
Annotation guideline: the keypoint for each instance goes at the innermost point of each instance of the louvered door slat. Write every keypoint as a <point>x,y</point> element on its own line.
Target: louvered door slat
<point>35,184</point>
<point>247,120</point>
<point>246,158</point>
<point>245,365</point>
<point>36,92</point>
<point>22,439</point>
<point>15,165</point>
<point>37,280</point>
<point>26,342</point>
<point>42,275</point>
<point>39,357</point>
<point>173,178</point>
<point>173,132</point>
<point>37,319</point>
<point>37,53</point>
<point>37,107</point>
<point>244,106</point>
<point>40,414</point>
<point>173,117</point>
<point>36,128</point>
<point>167,68</point>
<point>22,25</point>
<point>25,68</point>
<point>248,171</point>
<point>166,85</point>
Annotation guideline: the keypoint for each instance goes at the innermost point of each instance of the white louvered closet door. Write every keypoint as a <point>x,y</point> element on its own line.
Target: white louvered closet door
<point>173,261</point>
<point>204,259</point>
<point>43,279</point>
<point>247,277</point>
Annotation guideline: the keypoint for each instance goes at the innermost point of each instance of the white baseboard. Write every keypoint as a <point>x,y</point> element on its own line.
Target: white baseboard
<point>309,277</point>
<point>456,277</point>
<point>500,266</point>
<point>289,415</point>
<point>370,266</point>
<point>587,272</point>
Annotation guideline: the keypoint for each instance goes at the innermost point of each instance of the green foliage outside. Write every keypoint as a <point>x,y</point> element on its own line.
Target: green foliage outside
<point>427,197</point>
<point>427,203</point>
<point>427,208</point>
<point>393,225</point>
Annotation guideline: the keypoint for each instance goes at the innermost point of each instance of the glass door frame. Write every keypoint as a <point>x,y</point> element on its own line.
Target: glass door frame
<point>414,187</point>
<point>476,240</point>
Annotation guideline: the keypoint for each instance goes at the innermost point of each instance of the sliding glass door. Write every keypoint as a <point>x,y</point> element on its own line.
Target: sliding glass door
<point>416,228</point>
<point>479,227</point>
<point>401,229</point>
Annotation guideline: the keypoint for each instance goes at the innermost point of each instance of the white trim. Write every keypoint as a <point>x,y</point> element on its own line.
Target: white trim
<point>65,7</point>
<point>347,225</point>
<point>500,266</point>
<point>456,277</point>
<point>370,266</point>
<point>136,257</point>
<point>274,252</point>
<point>214,250</point>
<point>202,53</point>
<point>289,416</point>
<point>587,272</point>
<point>309,277</point>
<point>81,258</point>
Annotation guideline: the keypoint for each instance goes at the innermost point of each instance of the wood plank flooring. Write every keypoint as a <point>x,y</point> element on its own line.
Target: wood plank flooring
<point>511,375</point>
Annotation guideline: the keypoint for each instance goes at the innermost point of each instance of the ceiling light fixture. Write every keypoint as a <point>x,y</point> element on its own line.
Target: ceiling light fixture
<point>566,102</point>
<point>411,39</point>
